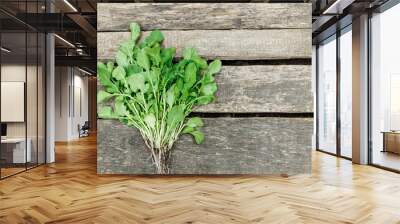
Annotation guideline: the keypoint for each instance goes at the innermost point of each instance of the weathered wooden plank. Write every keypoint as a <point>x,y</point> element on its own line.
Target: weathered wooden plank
<point>232,146</point>
<point>262,88</point>
<point>224,44</point>
<point>203,16</point>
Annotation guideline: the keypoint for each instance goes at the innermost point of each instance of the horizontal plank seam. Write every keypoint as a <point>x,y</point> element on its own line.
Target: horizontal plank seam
<point>274,28</point>
<point>296,61</point>
<point>249,115</point>
<point>211,1</point>
<point>242,62</point>
<point>253,114</point>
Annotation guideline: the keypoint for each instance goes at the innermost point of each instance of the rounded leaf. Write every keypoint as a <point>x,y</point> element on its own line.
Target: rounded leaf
<point>198,136</point>
<point>136,82</point>
<point>106,113</point>
<point>119,73</point>
<point>195,122</point>
<point>103,96</point>
<point>214,67</point>
<point>150,120</point>
<point>209,89</point>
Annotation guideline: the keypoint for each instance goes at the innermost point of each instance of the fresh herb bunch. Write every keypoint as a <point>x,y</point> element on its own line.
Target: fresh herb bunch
<point>155,94</point>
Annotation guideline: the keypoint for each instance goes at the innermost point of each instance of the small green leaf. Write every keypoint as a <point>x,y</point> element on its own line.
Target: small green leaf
<point>195,122</point>
<point>209,89</point>
<point>198,136</point>
<point>132,69</point>
<point>187,130</point>
<point>122,59</point>
<point>208,78</point>
<point>154,54</point>
<point>135,31</point>
<point>119,73</point>
<point>170,96</point>
<point>110,67</point>
<point>167,54</point>
<point>214,67</point>
<point>143,60</point>
<point>106,113</point>
<point>105,78</point>
<point>103,96</point>
<point>202,63</point>
<point>150,120</point>
<point>190,75</point>
<point>175,115</point>
<point>188,53</point>
<point>136,82</point>
<point>127,47</point>
<point>155,37</point>
<point>120,108</point>
<point>102,71</point>
<point>203,100</point>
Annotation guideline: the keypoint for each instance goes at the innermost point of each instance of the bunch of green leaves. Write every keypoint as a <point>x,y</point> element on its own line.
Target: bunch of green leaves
<point>147,89</point>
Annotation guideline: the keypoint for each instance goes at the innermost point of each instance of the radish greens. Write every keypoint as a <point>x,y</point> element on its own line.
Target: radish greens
<point>147,89</point>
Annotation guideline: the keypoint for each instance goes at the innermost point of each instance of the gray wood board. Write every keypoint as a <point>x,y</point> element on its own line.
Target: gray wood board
<point>261,88</point>
<point>260,145</point>
<point>203,16</point>
<point>224,44</point>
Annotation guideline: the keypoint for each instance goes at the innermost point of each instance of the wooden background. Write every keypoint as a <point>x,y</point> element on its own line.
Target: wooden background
<point>261,121</point>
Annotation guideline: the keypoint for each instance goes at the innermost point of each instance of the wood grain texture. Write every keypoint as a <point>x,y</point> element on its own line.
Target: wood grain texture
<point>262,88</point>
<point>232,146</point>
<point>224,44</point>
<point>203,16</point>
<point>258,89</point>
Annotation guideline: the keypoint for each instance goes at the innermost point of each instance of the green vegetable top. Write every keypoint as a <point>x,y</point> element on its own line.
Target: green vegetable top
<point>154,93</point>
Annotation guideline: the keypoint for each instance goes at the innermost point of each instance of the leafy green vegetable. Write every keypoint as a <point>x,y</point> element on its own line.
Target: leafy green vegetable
<point>154,93</point>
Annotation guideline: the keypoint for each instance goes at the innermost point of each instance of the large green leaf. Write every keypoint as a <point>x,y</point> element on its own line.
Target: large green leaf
<point>103,96</point>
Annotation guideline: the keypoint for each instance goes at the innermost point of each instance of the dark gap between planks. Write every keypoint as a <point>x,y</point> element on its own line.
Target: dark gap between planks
<point>252,114</point>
